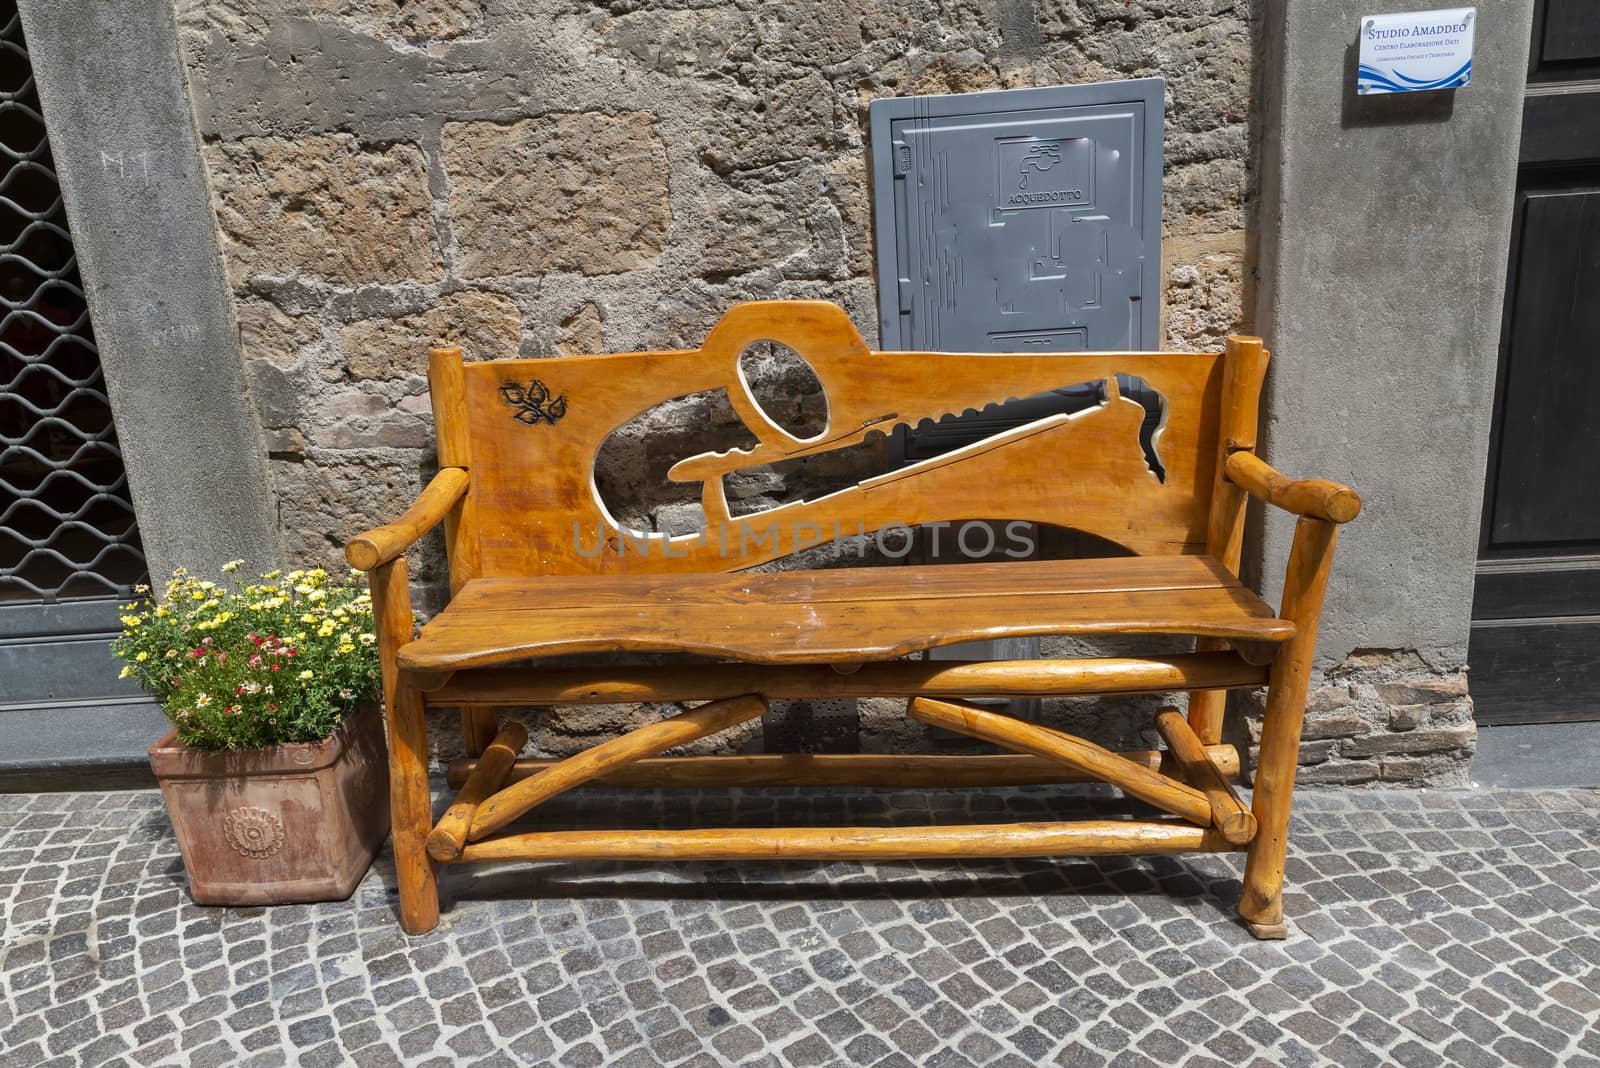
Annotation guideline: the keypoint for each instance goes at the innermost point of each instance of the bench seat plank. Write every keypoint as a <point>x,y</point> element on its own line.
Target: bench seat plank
<point>800,617</point>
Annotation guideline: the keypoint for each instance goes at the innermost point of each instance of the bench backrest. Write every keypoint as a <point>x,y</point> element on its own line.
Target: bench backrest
<point>528,431</point>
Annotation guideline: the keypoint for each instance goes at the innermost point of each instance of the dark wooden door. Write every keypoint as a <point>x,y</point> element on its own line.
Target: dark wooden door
<point>1535,651</point>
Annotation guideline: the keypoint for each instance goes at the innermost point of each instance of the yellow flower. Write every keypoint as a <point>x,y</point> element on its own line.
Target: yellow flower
<point>316,595</point>
<point>224,617</point>
<point>307,674</point>
<point>125,673</point>
<point>345,648</point>
<point>162,611</point>
<point>308,618</point>
<point>201,700</point>
<point>272,574</point>
<point>232,566</point>
<point>142,657</point>
<point>325,631</point>
<point>131,621</point>
<point>199,595</point>
<point>171,653</point>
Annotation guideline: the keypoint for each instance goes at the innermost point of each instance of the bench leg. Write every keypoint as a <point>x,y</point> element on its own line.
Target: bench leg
<point>410,804</point>
<point>1261,904</point>
<point>411,813</point>
<point>478,729</point>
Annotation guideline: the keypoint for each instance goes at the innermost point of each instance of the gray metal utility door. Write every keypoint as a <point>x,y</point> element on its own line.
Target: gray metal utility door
<point>1020,220</point>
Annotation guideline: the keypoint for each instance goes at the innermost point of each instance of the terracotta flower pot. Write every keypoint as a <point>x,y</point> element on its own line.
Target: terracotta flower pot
<point>292,823</point>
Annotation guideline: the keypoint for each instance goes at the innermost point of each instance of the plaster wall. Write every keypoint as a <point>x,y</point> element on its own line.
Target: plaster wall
<point>1385,225</point>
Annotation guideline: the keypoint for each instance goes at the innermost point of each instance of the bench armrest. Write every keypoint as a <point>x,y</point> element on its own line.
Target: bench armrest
<point>1315,497</point>
<point>382,544</point>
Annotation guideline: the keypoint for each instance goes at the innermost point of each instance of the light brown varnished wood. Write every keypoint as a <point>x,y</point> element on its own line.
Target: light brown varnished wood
<point>410,802</point>
<point>510,803</point>
<point>1134,779</point>
<point>1228,814</point>
<point>1313,497</point>
<point>382,544</point>
<point>478,729</point>
<point>1305,582</point>
<point>447,387</point>
<point>1081,838</point>
<point>1244,369</point>
<point>539,568</point>
<point>801,617</point>
<point>489,773</point>
<point>905,770</point>
<point>1084,471</point>
<point>605,684</point>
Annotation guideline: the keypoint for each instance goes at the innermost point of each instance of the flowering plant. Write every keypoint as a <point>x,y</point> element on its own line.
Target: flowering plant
<point>279,661</point>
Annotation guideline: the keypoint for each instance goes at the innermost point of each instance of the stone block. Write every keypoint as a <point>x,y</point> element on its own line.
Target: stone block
<point>1339,772</point>
<point>1404,769</point>
<point>1310,752</point>
<point>266,333</point>
<point>399,432</point>
<point>674,43</point>
<point>1424,691</point>
<point>324,205</point>
<point>1206,197</point>
<point>1343,725</point>
<point>1204,299</point>
<point>583,331</point>
<point>582,192</point>
<point>276,393</point>
<point>760,221</point>
<point>1407,717</point>
<point>328,498</point>
<point>1415,741</point>
<point>484,325</point>
<point>1326,699</point>
<point>773,121</point>
<point>284,443</point>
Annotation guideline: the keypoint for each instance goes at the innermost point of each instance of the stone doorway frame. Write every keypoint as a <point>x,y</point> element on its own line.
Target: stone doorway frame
<point>127,150</point>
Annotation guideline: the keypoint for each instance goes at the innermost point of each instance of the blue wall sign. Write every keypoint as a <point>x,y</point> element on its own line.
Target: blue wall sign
<point>1416,51</point>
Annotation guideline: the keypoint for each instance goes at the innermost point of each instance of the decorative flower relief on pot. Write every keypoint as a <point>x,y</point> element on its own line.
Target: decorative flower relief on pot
<point>253,832</point>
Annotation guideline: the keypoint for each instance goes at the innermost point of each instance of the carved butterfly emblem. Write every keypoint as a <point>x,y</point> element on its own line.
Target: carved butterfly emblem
<point>533,402</point>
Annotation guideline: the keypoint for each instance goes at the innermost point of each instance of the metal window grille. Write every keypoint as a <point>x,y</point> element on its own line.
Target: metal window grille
<point>67,526</point>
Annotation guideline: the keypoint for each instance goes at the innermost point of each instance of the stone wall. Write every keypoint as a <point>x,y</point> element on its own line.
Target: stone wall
<point>532,177</point>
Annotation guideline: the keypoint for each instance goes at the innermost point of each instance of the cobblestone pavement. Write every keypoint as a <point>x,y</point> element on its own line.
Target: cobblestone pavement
<point>1427,928</point>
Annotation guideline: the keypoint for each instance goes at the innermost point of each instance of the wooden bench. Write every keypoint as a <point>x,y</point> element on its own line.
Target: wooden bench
<point>538,567</point>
